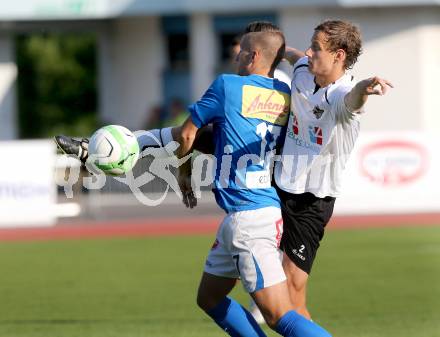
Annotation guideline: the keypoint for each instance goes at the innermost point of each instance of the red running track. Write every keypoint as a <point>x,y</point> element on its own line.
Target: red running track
<point>191,226</point>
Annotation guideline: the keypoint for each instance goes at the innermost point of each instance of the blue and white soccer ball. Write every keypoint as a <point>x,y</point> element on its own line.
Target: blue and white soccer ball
<point>113,149</point>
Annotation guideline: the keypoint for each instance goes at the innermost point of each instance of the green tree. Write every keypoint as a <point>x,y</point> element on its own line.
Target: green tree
<point>56,84</point>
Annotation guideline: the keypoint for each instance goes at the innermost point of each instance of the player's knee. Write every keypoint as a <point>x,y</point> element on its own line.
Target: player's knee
<point>202,303</point>
<point>271,320</point>
<point>297,288</point>
<point>205,302</point>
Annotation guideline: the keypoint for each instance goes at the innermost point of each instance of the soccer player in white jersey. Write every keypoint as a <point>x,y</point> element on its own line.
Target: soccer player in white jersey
<point>323,125</point>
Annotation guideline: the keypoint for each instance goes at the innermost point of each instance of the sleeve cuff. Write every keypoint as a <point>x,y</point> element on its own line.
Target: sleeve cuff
<point>195,116</point>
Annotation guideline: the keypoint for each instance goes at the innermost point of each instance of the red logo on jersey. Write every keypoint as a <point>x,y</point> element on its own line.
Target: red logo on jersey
<point>315,133</point>
<point>295,125</point>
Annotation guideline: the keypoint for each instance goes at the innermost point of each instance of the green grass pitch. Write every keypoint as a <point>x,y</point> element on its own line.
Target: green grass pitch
<point>366,283</point>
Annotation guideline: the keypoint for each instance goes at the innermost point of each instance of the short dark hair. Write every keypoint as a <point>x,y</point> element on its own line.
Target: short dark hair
<point>256,27</point>
<point>342,35</point>
<point>261,26</point>
<point>272,29</point>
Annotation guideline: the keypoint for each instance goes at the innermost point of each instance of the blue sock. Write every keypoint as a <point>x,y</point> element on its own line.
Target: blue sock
<point>293,324</point>
<point>235,320</point>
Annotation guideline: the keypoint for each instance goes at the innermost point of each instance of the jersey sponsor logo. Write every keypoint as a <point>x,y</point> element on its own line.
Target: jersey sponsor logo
<point>312,145</point>
<point>295,125</point>
<point>314,148</point>
<point>269,105</point>
<point>315,134</point>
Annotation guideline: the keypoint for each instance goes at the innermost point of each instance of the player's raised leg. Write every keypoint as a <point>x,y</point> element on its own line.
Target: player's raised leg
<point>155,138</point>
<point>72,146</point>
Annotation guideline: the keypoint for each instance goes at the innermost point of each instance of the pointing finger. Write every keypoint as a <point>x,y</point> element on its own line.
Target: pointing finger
<point>389,84</point>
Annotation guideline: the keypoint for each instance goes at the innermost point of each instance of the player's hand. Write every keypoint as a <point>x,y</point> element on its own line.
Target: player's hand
<point>188,197</point>
<point>376,86</point>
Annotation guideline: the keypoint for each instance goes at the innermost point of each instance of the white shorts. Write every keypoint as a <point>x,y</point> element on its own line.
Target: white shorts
<point>247,247</point>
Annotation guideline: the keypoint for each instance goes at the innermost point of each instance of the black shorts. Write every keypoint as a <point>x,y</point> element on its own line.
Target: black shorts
<point>305,217</point>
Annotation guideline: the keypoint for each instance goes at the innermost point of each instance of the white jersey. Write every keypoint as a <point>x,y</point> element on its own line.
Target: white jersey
<point>320,135</point>
<point>280,75</point>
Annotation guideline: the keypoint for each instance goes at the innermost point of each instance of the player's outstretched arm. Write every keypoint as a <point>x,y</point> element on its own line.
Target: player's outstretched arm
<point>292,55</point>
<point>185,137</point>
<point>357,97</point>
<point>204,140</point>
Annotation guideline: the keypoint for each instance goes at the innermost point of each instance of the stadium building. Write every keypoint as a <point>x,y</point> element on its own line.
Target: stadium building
<point>150,52</point>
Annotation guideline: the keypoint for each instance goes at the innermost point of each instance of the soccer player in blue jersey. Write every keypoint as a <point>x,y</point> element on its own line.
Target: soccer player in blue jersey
<point>247,113</point>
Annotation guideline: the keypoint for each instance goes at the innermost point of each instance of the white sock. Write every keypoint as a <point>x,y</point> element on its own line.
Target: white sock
<point>157,138</point>
<point>167,136</point>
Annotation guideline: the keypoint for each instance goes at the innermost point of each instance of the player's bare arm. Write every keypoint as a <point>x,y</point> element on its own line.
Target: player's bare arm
<point>357,97</point>
<point>292,55</point>
<point>185,135</point>
<point>204,139</point>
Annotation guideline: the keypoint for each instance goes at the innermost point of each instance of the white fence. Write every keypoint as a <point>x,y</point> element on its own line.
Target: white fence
<point>27,190</point>
<point>392,173</point>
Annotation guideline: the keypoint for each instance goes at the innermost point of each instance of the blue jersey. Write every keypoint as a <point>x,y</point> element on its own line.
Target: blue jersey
<point>248,115</point>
